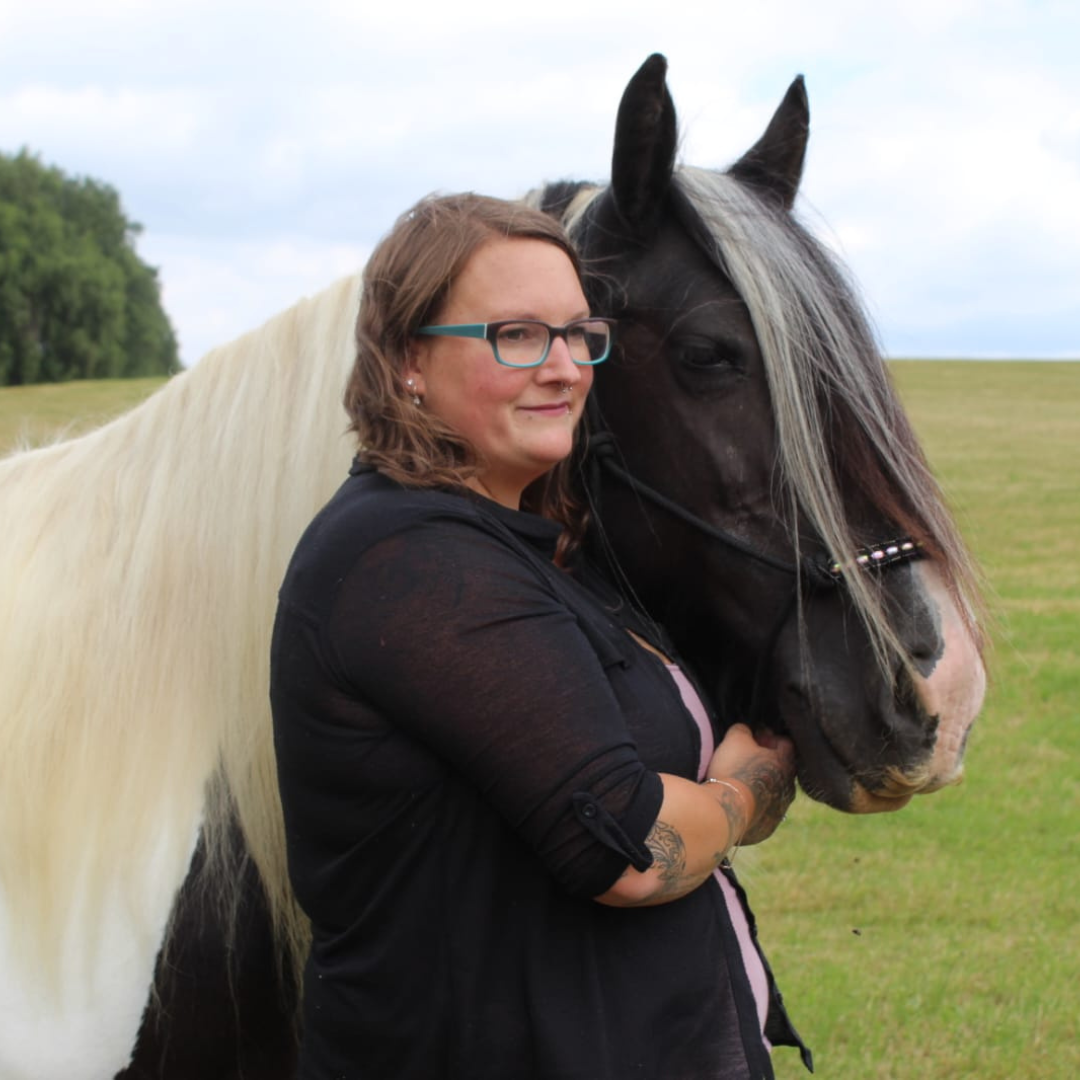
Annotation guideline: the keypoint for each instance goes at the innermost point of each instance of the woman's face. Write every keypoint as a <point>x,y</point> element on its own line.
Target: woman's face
<point>521,420</point>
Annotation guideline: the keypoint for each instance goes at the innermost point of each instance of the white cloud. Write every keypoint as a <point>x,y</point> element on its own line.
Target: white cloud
<point>168,121</point>
<point>216,292</point>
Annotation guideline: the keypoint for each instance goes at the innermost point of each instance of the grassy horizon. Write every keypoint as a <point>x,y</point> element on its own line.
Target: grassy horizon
<point>940,942</point>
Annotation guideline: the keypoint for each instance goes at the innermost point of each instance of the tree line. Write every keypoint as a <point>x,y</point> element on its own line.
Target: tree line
<point>76,301</point>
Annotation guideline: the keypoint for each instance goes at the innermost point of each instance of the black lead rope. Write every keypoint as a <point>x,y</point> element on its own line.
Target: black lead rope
<point>603,454</point>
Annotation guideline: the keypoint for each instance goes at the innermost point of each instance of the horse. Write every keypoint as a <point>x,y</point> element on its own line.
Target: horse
<point>754,485</point>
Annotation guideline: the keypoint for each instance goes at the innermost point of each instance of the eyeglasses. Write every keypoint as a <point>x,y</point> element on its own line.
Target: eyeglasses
<point>525,343</point>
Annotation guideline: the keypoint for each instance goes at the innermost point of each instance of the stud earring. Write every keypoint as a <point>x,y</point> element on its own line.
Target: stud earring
<point>410,385</point>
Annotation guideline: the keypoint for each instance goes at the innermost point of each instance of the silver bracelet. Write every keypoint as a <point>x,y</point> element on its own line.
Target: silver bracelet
<point>726,783</point>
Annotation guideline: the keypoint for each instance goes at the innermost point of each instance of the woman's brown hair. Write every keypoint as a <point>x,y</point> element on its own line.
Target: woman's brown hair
<point>405,284</point>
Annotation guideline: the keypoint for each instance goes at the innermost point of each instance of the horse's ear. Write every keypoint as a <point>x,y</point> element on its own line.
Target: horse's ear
<point>644,155</point>
<point>774,164</point>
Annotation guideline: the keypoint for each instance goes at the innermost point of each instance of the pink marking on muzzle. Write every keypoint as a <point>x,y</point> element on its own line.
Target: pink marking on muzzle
<point>954,690</point>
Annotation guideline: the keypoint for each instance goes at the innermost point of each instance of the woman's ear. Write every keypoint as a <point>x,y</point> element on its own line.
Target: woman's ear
<point>413,370</point>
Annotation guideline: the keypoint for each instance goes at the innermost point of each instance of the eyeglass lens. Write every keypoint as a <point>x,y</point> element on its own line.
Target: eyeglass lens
<point>524,343</point>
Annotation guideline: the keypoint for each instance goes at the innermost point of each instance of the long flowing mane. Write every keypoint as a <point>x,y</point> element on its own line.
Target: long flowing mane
<point>839,424</point>
<point>130,542</point>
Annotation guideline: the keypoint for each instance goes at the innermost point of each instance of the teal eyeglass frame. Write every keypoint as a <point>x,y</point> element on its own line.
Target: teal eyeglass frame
<point>490,332</point>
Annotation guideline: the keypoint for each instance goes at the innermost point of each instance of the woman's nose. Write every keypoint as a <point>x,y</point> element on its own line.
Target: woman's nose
<point>559,362</point>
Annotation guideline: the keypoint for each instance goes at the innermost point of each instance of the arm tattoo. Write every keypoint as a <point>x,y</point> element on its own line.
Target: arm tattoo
<point>735,808</point>
<point>669,856</point>
<point>771,788</point>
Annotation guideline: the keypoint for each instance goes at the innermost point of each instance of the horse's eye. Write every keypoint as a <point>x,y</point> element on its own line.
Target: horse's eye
<point>708,357</point>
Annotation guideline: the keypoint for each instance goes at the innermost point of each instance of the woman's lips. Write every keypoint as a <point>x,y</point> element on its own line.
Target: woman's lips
<point>556,408</point>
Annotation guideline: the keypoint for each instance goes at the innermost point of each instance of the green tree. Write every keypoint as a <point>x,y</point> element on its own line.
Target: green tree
<point>76,301</point>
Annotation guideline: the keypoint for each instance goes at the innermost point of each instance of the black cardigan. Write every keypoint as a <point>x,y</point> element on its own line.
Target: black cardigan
<point>468,744</point>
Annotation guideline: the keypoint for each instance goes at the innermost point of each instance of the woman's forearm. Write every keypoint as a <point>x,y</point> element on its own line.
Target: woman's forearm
<point>697,827</point>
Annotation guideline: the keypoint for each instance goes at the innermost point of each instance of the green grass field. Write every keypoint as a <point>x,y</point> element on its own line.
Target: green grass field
<point>942,941</point>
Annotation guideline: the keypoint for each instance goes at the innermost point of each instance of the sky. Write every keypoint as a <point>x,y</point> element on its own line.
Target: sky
<point>265,147</point>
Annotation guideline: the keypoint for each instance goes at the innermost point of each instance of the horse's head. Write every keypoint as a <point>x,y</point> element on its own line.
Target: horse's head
<point>747,390</point>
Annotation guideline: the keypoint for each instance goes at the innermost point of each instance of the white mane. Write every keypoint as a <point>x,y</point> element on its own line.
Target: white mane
<point>141,564</point>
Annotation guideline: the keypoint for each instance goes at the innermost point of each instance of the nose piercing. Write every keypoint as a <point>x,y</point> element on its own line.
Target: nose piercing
<point>565,388</point>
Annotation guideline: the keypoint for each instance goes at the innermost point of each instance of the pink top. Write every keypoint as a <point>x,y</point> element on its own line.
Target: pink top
<point>751,958</point>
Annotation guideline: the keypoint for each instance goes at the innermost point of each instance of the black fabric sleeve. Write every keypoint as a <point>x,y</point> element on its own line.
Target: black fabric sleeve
<point>446,630</point>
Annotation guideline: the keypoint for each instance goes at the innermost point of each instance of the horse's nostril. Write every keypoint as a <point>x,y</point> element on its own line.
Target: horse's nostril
<point>926,651</point>
<point>925,643</point>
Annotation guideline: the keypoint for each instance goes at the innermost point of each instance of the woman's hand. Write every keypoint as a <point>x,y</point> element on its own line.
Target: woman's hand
<point>765,766</point>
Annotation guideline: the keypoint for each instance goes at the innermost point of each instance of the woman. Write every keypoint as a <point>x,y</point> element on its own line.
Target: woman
<point>490,773</point>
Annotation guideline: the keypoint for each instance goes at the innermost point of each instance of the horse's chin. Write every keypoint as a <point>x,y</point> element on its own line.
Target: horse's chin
<point>897,790</point>
<point>865,801</point>
<point>887,793</point>
<point>853,797</point>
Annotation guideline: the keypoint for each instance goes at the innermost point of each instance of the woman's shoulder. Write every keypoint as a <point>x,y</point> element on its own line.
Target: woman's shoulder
<point>366,510</point>
<point>369,508</point>
<point>432,535</point>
